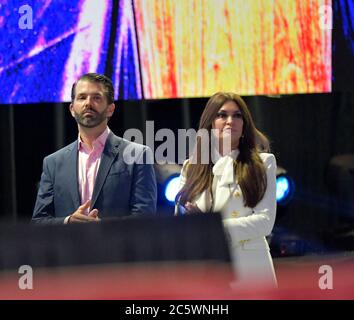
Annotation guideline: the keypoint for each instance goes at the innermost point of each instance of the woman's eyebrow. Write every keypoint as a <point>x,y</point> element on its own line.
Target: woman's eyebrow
<point>234,112</point>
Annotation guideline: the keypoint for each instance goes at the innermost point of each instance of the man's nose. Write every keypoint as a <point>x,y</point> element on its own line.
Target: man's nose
<point>88,100</point>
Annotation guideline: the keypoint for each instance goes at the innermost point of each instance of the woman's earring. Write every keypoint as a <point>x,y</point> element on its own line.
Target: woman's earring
<point>241,138</point>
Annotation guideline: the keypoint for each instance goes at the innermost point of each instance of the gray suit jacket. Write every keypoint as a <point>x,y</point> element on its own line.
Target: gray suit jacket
<point>120,189</point>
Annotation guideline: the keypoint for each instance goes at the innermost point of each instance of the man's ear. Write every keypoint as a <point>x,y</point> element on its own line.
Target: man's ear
<point>71,109</point>
<point>111,109</point>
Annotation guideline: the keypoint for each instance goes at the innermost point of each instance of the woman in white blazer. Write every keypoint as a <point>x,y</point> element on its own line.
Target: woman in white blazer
<point>229,173</point>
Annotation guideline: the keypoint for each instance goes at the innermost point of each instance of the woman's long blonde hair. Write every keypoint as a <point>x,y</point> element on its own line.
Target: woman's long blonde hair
<point>248,166</point>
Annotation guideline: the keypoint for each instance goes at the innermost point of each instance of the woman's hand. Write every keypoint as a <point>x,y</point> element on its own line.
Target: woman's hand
<point>192,208</point>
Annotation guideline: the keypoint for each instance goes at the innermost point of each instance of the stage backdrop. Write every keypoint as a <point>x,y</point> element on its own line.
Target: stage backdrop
<point>173,49</point>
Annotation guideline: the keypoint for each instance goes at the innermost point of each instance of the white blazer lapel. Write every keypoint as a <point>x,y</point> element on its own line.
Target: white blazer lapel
<point>223,172</point>
<point>220,199</point>
<point>222,195</point>
<point>204,202</point>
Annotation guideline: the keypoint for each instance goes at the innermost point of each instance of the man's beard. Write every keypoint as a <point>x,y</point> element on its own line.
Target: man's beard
<point>93,120</point>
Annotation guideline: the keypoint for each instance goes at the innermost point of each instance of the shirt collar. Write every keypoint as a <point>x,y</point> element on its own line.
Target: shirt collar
<point>98,143</point>
<point>233,154</point>
<point>223,168</point>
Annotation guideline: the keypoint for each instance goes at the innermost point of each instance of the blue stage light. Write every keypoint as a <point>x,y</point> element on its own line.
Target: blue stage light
<point>172,188</point>
<point>285,189</point>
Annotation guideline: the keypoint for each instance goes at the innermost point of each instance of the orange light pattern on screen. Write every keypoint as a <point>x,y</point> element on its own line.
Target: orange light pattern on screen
<point>191,48</point>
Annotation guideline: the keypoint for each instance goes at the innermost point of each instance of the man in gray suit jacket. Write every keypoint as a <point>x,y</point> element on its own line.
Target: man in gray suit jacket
<point>90,179</point>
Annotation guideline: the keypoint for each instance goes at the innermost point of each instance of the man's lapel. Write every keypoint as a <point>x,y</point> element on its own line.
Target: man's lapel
<point>73,175</point>
<point>109,153</point>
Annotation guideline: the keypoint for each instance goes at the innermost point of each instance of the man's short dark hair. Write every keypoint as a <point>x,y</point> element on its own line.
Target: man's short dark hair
<point>98,78</point>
